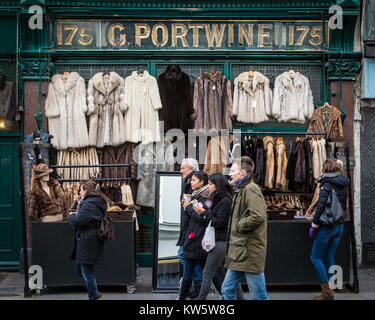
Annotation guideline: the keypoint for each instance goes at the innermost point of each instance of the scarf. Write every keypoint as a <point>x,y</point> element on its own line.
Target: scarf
<point>200,193</point>
<point>244,179</point>
<point>331,174</point>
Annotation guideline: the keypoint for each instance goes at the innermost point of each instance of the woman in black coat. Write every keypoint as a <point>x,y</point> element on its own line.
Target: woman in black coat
<point>88,250</point>
<point>327,238</point>
<point>192,247</point>
<point>216,209</point>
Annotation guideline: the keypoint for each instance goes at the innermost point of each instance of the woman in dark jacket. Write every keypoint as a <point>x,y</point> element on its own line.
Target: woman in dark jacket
<point>327,238</point>
<point>192,247</point>
<point>217,210</point>
<point>88,250</point>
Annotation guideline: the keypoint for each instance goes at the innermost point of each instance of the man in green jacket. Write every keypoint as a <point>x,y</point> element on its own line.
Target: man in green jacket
<point>247,235</point>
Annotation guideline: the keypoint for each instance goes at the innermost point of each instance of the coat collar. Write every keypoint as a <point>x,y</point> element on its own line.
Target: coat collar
<point>139,78</point>
<point>173,72</point>
<point>106,83</point>
<point>63,87</point>
<point>213,76</point>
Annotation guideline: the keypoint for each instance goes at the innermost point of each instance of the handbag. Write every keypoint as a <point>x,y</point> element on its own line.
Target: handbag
<point>333,213</point>
<point>208,241</point>
<point>106,229</point>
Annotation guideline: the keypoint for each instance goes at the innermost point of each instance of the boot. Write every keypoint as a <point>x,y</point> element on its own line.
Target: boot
<point>185,287</point>
<point>327,293</point>
<point>195,292</point>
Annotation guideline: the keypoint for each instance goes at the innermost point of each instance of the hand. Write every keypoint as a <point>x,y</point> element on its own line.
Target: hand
<point>199,210</point>
<point>313,232</point>
<point>70,213</point>
<point>76,197</point>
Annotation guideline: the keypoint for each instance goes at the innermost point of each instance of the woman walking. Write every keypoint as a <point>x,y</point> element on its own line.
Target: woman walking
<point>327,238</point>
<point>217,210</point>
<point>88,249</point>
<point>192,247</point>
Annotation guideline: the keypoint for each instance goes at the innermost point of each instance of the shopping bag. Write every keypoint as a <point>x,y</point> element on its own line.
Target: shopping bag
<point>208,241</point>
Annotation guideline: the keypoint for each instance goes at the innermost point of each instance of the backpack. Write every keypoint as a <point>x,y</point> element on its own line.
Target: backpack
<point>333,213</point>
<point>106,229</point>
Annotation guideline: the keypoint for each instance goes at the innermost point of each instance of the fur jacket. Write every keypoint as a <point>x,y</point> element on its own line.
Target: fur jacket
<point>105,100</point>
<point>218,155</point>
<point>66,112</point>
<point>281,164</point>
<point>292,98</point>
<point>269,147</point>
<point>212,102</point>
<point>151,158</point>
<point>252,98</point>
<point>40,202</point>
<point>333,126</point>
<point>142,102</point>
<point>176,98</point>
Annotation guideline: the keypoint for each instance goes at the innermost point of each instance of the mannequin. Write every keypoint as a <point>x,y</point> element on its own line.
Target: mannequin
<point>46,196</point>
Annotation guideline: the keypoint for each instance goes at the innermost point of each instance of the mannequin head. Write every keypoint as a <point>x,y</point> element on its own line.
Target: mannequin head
<point>41,172</point>
<point>44,178</point>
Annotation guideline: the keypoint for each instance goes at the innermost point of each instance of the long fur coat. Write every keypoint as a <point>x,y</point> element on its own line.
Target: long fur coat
<point>142,102</point>
<point>281,164</point>
<point>292,98</point>
<point>269,147</point>
<point>212,102</point>
<point>65,109</point>
<point>252,98</point>
<point>105,100</point>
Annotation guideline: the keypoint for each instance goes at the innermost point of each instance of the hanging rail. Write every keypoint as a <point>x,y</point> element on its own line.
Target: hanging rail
<point>279,133</point>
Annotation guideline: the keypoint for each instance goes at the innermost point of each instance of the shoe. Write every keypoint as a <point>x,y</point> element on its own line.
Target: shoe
<point>99,295</point>
<point>195,292</point>
<point>326,294</point>
<point>185,287</point>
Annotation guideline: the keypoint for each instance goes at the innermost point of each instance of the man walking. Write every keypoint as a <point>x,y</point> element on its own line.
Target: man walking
<point>247,235</point>
<point>187,169</point>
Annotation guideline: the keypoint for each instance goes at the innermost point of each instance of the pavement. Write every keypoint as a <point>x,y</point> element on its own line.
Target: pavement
<point>12,288</point>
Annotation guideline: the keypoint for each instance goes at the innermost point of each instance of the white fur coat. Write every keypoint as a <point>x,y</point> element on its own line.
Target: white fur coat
<point>142,102</point>
<point>252,98</point>
<point>65,109</point>
<point>292,100</point>
<point>105,100</point>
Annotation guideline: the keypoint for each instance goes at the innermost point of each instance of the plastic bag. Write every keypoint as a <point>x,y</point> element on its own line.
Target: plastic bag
<point>208,241</point>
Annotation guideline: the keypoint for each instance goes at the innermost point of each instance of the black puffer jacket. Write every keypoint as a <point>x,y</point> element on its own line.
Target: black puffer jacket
<point>327,182</point>
<point>185,219</point>
<point>88,248</point>
<point>192,248</point>
<point>219,216</point>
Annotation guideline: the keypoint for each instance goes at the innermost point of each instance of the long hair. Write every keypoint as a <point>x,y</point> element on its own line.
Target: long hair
<point>223,187</point>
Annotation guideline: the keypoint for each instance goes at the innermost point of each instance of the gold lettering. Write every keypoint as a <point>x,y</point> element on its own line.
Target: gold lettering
<point>316,32</point>
<point>213,34</point>
<point>230,34</point>
<point>141,35</point>
<point>262,35</point>
<point>247,34</point>
<point>305,31</point>
<point>291,35</point>
<point>86,37</point>
<point>111,35</point>
<point>154,35</point>
<point>69,39</point>
<point>195,28</point>
<point>59,35</point>
<point>179,35</point>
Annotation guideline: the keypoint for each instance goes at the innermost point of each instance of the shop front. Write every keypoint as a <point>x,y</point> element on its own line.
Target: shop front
<point>113,49</point>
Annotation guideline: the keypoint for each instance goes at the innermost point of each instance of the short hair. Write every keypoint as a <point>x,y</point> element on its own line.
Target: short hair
<point>191,163</point>
<point>332,165</point>
<point>245,163</point>
<point>202,176</point>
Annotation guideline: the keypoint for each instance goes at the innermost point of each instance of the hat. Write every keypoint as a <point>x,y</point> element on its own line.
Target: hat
<point>41,170</point>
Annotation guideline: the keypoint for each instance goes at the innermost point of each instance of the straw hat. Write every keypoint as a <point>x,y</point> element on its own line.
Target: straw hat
<point>41,170</point>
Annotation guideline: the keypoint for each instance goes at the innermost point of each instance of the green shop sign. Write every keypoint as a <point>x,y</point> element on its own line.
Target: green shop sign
<point>189,35</point>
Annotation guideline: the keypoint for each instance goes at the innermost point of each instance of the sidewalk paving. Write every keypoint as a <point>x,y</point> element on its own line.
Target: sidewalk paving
<point>12,286</point>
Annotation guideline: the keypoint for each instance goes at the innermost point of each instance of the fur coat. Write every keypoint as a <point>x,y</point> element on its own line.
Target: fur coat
<point>259,162</point>
<point>281,164</point>
<point>269,146</point>
<point>151,158</point>
<point>176,98</point>
<point>105,100</point>
<point>40,202</point>
<point>66,112</point>
<point>142,102</point>
<point>292,98</point>
<point>218,155</point>
<point>252,98</point>
<point>212,102</point>
<point>334,126</point>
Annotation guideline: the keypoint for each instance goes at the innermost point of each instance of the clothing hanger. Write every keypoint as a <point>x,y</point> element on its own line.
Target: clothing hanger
<point>106,73</point>
<point>65,76</point>
<point>292,73</point>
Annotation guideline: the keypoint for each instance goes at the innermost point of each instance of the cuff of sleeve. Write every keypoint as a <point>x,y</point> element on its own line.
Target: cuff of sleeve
<point>314,225</point>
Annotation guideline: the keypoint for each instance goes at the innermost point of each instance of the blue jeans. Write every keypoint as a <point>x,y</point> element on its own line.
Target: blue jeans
<point>87,274</point>
<point>255,282</point>
<point>197,276</point>
<point>324,247</point>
